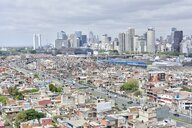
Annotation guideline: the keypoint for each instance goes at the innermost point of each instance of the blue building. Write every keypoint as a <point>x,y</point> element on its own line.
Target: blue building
<point>84,39</point>
<point>126,62</point>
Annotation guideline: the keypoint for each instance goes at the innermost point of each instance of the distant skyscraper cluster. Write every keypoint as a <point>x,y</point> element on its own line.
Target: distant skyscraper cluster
<point>172,43</point>
<point>74,40</point>
<point>127,41</point>
<point>132,43</point>
<point>37,41</point>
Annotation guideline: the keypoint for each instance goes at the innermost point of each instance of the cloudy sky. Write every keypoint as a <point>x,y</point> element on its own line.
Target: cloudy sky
<point>19,19</point>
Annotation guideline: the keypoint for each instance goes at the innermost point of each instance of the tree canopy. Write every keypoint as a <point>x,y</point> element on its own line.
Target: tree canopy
<point>28,115</point>
<point>3,99</point>
<point>53,88</point>
<point>130,85</point>
<point>14,92</point>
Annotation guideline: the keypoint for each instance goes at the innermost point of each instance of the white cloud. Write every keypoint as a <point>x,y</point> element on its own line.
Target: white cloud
<point>25,17</point>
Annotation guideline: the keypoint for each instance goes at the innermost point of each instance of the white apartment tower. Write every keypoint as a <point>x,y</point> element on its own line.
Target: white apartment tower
<point>129,40</point>
<point>151,40</point>
<point>121,42</point>
<point>37,41</point>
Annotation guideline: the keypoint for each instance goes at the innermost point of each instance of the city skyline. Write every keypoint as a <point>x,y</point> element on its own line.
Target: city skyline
<point>22,18</point>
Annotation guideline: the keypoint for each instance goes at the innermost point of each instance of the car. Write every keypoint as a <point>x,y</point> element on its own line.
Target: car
<point>176,114</point>
<point>129,102</point>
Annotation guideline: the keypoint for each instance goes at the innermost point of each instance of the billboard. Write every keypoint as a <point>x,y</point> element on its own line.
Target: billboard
<point>103,107</point>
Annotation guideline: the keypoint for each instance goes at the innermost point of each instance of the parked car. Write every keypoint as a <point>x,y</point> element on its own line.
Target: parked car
<point>176,114</point>
<point>130,102</point>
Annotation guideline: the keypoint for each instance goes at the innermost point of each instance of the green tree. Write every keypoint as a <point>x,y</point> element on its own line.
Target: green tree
<point>14,92</point>
<point>59,89</point>
<point>27,115</point>
<point>130,85</point>
<point>53,88</point>
<point>3,99</point>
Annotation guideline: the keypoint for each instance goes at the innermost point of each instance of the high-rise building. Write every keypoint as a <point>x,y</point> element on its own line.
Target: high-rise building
<point>91,37</point>
<point>58,43</point>
<point>37,41</point>
<point>78,34</point>
<point>84,39</point>
<point>62,40</point>
<point>121,42</point>
<point>77,43</point>
<point>104,42</point>
<point>151,40</point>
<point>61,35</point>
<point>178,37</point>
<point>72,40</point>
<point>143,44</point>
<point>172,34</point>
<point>109,39</point>
<point>136,45</point>
<point>116,44</point>
<point>129,40</point>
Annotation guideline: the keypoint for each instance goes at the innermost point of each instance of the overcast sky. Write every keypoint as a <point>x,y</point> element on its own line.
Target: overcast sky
<point>19,19</point>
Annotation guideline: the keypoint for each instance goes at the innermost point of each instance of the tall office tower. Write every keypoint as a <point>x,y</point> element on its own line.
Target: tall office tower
<point>104,42</point>
<point>97,39</point>
<point>121,42</point>
<point>72,40</point>
<point>136,45</point>
<point>84,39</point>
<point>109,39</point>
<point>116,44</point>
<point>169,39</point>
<point>178,37</point>
<point>36,41</point>
<point>172,34</point>
<point>78,34</point>
<point>39,41</point>
<point>62,40</point>
<point>151,40</point>
<point>77,43</point>
<point>129,40</point>
<point>91,37</point>
<point>61,35</point>
<point>143,44</point>
<point>58,43</point>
